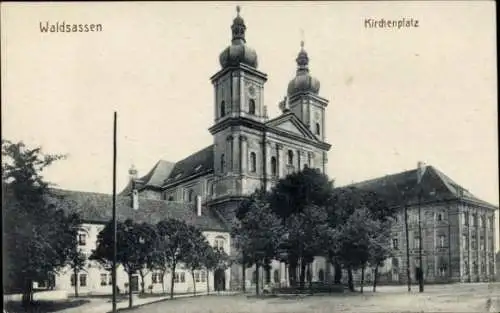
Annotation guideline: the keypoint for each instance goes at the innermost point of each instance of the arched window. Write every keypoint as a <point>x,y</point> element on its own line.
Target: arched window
<point>222,109</point>
<point>317,129</point>
<point>251,106</point>
<point>290,157</point>
<point>321,275</point>
<point>276,277</point>
<point>274,166</point>
<point>253,162</point>
<point>222,163</point>
<point>190,195</point>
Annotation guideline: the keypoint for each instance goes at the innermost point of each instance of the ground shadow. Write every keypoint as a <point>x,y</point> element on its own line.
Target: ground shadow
<point>43,306</point>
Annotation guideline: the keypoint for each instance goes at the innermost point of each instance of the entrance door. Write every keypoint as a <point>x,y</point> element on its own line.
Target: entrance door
<point>220,280</point>
<point>134,283</point>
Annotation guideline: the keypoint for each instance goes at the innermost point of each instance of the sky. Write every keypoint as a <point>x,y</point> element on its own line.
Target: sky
<point>397,96</point>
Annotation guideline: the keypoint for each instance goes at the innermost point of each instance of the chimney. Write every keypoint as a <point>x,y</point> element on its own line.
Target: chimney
<point>198,205</point>
<point>421,166</point>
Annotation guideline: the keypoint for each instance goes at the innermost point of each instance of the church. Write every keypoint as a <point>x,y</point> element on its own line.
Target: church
<point>250,150</point>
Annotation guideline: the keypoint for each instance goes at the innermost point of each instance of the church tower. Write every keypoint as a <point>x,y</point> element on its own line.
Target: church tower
<point>303,97</point>
<point>239,102</point>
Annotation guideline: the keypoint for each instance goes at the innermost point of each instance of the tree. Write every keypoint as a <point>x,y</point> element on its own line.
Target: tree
<point>173,234</point>
<point>196,252</point>
<point>77,261</point>
<point>129,248</point>
<point>306,236</point>
<point>214,258</point>
<point>380,248</point>
<point>290,197</point>
<point>145,248</point>
<point>258,233</point>
<point>38,237</point>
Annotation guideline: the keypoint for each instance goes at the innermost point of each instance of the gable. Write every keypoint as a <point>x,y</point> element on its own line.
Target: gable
<point>291,124</point>
<point>288,126</point>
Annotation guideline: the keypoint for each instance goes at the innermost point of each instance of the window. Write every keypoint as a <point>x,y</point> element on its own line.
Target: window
<point>317,129</point>
<point>474,267</point>
<point>481,221</point>
<point>441,241</point>
<point>219,243</point>
<point>465,240</point>
<point>274,166</point>
<point>416,243</point>
<point>180,277</point>
<point>171,198</point>
<point>253,162</point>
<point>474,220</point>
<point>439,217</point>
<point>203,276</point>
<point>222,163</point>
<point>466,268</point>
<point>442,269</point>
<point>490,222</point>
<point>481,243</point>
<point>251,106</point>
<point>395,244</point>
<point>110,279</point>
<point>190,195</point>
<point>104,279</point>
<point>254,277</point>
<point>483,268</point>
<point>290,157</point>
<point>222,109</point>
<point>309,158</point>
<point>82,239</point>
<point>395,262</point>
<point>197,277</point>
<point>83,280</point>
<point>157,278</point>
<point>474,242</point>
<point>73,280</point>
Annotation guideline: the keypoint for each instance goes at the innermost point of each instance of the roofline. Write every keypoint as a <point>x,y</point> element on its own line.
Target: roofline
<point>242,121</point>
<point>100,222</point>
<point>240,66</point>
<point>185,179</point>
<point>322,100</point>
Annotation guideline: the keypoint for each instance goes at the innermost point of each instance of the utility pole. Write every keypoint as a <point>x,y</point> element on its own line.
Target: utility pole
<point>113,274</point>
<point>408,274</point>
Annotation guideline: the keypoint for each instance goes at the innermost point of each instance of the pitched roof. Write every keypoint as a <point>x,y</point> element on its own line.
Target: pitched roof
<point>403,187</point>
<point>154,178</point>
<point>198,162</point>
<point>97,208</point>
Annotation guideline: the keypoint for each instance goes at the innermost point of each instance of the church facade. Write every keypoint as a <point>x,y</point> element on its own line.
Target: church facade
<point>249,150</point>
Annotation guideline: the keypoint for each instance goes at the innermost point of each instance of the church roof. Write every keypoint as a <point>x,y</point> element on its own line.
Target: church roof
<point>97,208</point>
<point>154,178</point>
<point>403,187</point>
<point>201,161</point>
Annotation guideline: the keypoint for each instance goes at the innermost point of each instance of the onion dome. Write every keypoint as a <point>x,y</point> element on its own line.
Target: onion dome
<point>303,81</point>
<point>238,52</point>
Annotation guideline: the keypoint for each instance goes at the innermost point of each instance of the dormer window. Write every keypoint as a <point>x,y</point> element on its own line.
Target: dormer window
<point>222,109</point>
<point>251,106</point>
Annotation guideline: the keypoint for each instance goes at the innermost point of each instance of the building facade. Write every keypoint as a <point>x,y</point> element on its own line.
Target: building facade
<point>249,150</point>
<point>457,228</point>
<point>95,210</point>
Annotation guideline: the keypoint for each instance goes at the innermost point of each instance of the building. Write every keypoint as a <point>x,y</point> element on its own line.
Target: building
<point>95,209</point>
<point>249,149</point>
<point>458,229</point>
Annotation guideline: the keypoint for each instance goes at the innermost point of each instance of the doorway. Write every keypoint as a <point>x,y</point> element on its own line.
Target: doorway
<point>219,280</point>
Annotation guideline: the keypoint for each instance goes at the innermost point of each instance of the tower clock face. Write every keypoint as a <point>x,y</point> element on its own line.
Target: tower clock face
<point>251,91</point>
